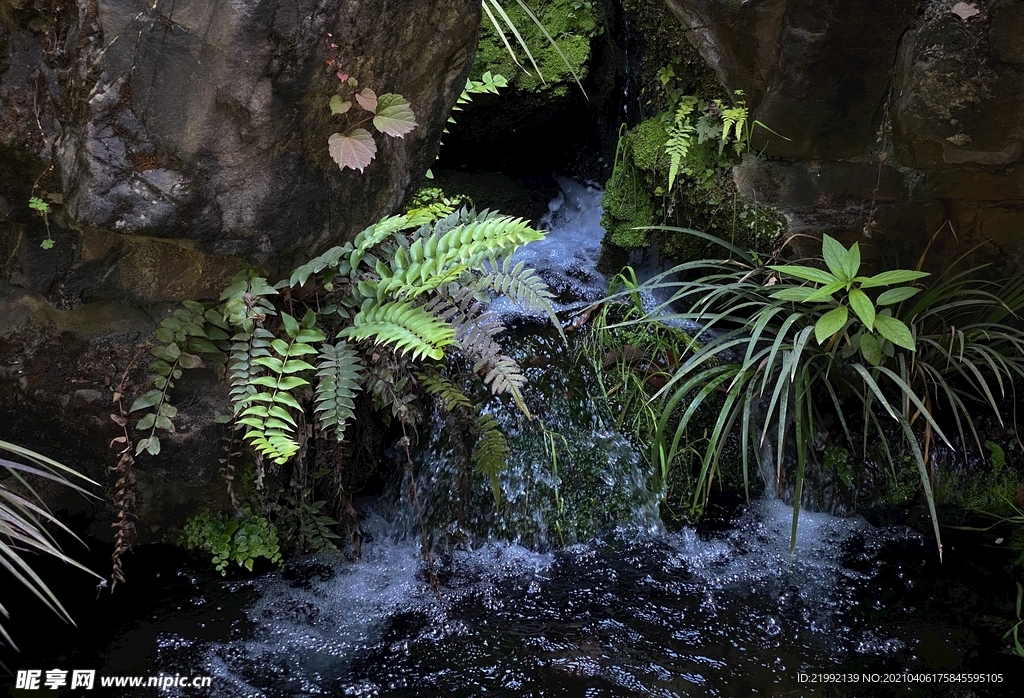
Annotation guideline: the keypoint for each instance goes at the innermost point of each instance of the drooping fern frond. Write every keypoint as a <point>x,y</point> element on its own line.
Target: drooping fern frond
<point>339,371</point>
<point>492,452</point>
<point>246,347</point>
<point>407,327</point>
<point>523,286</point>
<point>680,137</point>
<point>265,412</point>
<point>503,375</point>
<point>444,390</point>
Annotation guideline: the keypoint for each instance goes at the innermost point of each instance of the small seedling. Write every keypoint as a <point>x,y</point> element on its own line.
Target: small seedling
<point>43,208</point>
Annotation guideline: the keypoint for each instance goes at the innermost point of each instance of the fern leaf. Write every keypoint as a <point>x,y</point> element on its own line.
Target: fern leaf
<point>339,370</point>
<point>444,390</point>
<point>330,258</point>
<point>503,375</point>
<point>407,327</point>
<point>492,452</point>
<point>523,286</point>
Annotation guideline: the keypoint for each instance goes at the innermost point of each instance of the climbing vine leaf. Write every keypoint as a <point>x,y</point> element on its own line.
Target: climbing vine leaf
<point>394,115</point>
<point>355,150</point>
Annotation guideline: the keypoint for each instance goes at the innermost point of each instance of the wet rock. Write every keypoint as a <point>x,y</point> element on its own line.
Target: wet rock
<point>208,121</point>
<point>904,120</point>
<point>58,375</point>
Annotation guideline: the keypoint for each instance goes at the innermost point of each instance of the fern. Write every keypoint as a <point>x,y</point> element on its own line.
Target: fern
<point>407,327</point>
<point>492,452</point>
<point>503,375</point>
<point>733,119</point>
<point>521,285</point>
<point>339,372</point>
<point>680,137</point>
<point>444,390</point>
<point>266,412</point>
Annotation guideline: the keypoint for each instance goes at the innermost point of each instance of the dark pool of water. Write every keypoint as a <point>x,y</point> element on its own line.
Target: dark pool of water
<point>720,612</point>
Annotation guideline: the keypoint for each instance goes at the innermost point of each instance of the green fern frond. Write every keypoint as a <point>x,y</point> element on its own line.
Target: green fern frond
<point>521,285</point>
<point>444,390</point>
<point>680,137</point>
<point>245,348</point>
<point>432,261</point>
<point>503,375</point>
<point>492,452</point>
<point>407,327</point>
<point>265,408</point>
<point>339,371</point>
<point>330,258</point>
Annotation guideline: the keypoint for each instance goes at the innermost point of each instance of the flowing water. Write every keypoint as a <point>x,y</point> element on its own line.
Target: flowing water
<point>576,589</point>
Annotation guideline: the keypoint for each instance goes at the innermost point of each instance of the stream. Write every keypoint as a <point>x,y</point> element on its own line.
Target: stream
<point>555,599</point>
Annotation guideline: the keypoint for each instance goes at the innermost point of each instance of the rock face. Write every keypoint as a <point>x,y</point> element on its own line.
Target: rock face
<point>206,122</point>
<point>175,140</point>
<point>903,117</point>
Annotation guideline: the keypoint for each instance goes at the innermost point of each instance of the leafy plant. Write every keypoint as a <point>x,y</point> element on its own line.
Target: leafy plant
<point>191,332</point>
<point>44,210</point>
<point>240,539</point>
<point>24,519</point>
<point>753,331</point>
<point>389,114</point>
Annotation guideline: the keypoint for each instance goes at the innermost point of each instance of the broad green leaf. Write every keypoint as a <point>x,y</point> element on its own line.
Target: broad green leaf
<point>367,99</point>
<point>148,400</point>
<point>204,346</point>
<point>339,106</point>
<point>394,116</point>
<point>190,361</point>
<point>826,291</point>
<point>281,347</point>
<point>270,362</point>
<point>835,257</point>
<point>355,150</point>
<point>864,308</point>
<point>161,367</point>
<point>851,263</point>
<point>169,352</point>
<point>146,422</point>
<point>830,323</point>
<point>291,326</point>
<point>164,423</point>
<point>888,278</point>
<point>806,273</point>
<point>793,294</point>
<point>311,335</point>
<point>897,295</point>
<point>296,365</point>
<point>895,331</point>
<point>870,349</point>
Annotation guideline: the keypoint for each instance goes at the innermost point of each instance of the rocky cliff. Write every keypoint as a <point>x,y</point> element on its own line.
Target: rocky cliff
<point>901,118</point>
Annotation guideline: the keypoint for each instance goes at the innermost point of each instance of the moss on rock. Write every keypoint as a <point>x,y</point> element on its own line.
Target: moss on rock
<point>572,23</point>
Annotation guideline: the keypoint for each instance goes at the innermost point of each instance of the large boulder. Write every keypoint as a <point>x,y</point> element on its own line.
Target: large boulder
<point>903,117</point>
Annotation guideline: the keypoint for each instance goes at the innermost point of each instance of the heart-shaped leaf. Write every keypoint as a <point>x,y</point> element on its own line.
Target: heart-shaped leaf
<point>339,105</point>
<point>367,100</point>
<point>394,116</point>
<point>355,150</point>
